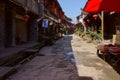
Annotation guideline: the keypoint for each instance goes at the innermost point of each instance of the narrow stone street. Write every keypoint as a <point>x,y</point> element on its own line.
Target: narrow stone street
<point>70,58</point>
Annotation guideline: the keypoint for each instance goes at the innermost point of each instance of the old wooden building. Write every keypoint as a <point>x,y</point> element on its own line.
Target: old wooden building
<point>17,22</point>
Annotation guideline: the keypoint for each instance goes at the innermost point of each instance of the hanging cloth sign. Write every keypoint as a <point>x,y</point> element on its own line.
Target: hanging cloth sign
<point>45,23</point>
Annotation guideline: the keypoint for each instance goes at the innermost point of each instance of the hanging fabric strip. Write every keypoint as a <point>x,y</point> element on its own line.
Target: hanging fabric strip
<point>45,23</point>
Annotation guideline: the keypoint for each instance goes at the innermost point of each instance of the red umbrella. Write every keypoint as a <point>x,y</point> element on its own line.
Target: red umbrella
<point>102,5</point>
<point>92,6</point>
<point>95,6</point>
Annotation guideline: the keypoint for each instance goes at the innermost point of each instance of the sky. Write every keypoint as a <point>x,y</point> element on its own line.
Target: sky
<point>71,8</point>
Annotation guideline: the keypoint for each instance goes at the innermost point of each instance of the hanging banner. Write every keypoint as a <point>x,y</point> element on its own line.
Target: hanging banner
<point>45,23</point>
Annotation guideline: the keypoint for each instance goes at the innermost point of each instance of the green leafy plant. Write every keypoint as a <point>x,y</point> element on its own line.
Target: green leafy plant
<point>91,33</point>
<point>63,30</point>
<point>95,35</point>
<point>78,31</point>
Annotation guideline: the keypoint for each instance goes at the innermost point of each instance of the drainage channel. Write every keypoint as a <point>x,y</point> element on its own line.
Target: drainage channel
<point>12,65</point>
<point>20,59</point>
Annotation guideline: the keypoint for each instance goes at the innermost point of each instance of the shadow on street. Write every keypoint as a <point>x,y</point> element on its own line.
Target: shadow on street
<point>111,62</point>
<point>70,55</point>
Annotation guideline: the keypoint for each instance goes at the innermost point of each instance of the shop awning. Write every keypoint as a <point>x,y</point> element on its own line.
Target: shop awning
<point>102,5</point>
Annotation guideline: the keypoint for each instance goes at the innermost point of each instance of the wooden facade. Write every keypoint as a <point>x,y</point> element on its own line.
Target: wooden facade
<point>15,28</point>
<point>52,12</point>
<point>28,5</point>
<point>110,23</point>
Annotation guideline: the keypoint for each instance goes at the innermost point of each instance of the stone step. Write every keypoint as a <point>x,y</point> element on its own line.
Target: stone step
<point>5,72</point>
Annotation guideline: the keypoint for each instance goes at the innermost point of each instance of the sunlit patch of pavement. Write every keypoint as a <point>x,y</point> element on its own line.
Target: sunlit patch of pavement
<point>89,64</point>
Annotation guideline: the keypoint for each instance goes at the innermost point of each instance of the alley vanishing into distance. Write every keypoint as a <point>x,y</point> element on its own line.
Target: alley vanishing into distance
<point>59,40</point>
<point>70,58</point>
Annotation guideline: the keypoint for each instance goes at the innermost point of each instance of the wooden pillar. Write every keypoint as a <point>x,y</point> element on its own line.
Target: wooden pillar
<point>102,24</point>
<point>13,28</point>
<point>8,37</point>
<point>2,25</point>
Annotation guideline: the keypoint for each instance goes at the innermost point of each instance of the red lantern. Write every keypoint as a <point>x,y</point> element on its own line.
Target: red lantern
<point>88,20</point>
<point>26,16</point>
<point>95,16</point>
